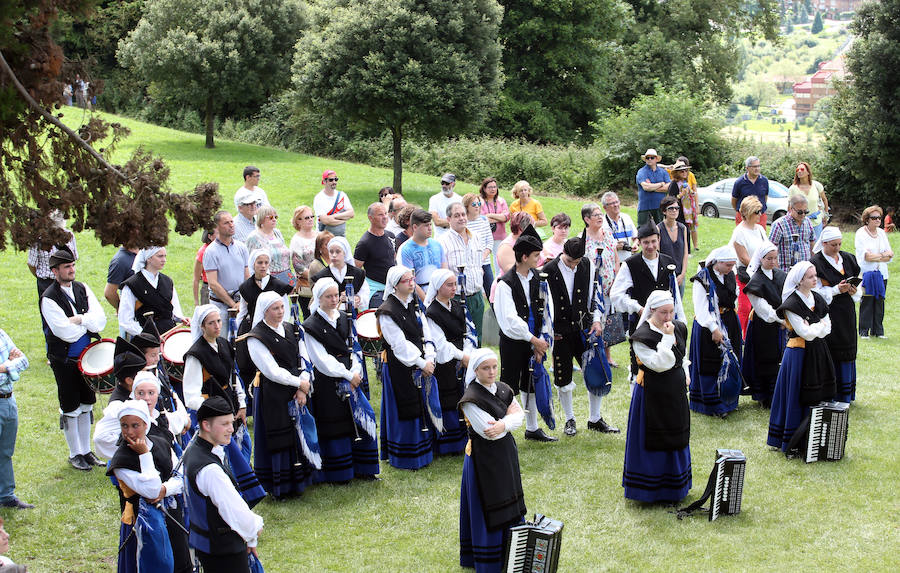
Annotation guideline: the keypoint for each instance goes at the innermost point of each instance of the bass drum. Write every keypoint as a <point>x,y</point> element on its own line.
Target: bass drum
<point>368,333</point>
<point>174,345</point>
<point>96,365</point>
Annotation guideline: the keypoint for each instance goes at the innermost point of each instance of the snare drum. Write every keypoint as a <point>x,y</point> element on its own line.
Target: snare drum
<point>174,344</point>
<point>96,365</point>
<point>367,331</point>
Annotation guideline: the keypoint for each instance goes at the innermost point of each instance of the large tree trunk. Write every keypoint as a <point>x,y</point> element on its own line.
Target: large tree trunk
<point>397,136</point>
<point>210,122</point>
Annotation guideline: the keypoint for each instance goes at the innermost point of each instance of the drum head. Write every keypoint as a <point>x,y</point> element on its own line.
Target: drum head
<point>97,359</point>
<point>367,325</point>
<point>175,344</point>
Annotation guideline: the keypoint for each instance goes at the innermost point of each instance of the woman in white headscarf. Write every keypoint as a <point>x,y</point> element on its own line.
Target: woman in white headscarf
<point>149,290</point>
<point>343,271</point>
<point>806,376</point>
<point>766,336</point>
<point>327,341</point>
<point>280,356</point>
<point>407,434</point>
<point>715,285</point>
<point>657,451</point>
<point>837,272</point>
<point>491,497</point>
<point>446,317</point>
<point>209,371</point>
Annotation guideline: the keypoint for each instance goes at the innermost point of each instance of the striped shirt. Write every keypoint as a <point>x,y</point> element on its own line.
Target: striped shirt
<point>459,253</point>
<point>481,228</point>
<point>40,259</point>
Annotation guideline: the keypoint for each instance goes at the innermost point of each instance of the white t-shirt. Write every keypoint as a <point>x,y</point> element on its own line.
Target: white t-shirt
<point>323,205</point>
<point>438,203</point>
<point>750,239</point>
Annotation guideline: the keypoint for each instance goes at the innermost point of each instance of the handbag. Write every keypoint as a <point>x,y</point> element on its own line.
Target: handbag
<point>614,329</point>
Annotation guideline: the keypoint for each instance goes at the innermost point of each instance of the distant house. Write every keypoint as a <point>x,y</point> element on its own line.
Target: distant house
<point>833,8</point>
<point>821,84</point>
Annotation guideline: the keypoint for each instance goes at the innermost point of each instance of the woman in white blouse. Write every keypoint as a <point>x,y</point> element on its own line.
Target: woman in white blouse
<point>747,236</point>
<point>873,253</point>
<point>149,289</point>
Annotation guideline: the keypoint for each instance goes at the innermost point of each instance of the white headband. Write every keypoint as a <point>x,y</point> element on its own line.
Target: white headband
<point>137,408</point>
<point>438,278</point>
<point>394,275</point>
<point>263,303</point>
<point>255,255</point>
<point>756,261</point>
<point>200,314</point>
<point>795,275</point>
<point>475,359</point>
<point>345,246</point>
<point>140,260</point>
<point>724,254</point>
<point>319,289</point>
<point>828,234</point>
<point>656,299</point>
<point>145,377</point>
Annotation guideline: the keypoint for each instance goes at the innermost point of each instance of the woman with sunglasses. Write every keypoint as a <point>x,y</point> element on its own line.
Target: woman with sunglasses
<point>814,193</point>
<point>268,238</point>
<point>873,253</point>
<point>747,237</point>
<point>481,229</point>
<point>303,252</point>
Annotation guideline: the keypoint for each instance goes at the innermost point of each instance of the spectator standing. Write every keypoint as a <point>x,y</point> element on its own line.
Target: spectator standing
<point>303,252</point>
<point>67,94</point>
<point>39,259</point>
<point>673,239</point>
<point>438,203</point>
<point>560,223</point>
<point>374,253</point>
<point>421,253</point>
<point>201,293</point>
<point>653,183</point>
<point>251,187</point>
<point>394,206</point>
<point>873,253</point>
<point>268,238</point>
<point>225,263</point>
<point>814,192</point>
<point>245,221</point>
<point>332,207</point>
<point>494,207</point>
<point>403,221</point>
<point>620,226</point>
<point>747,236</point>
<point>481,228</point>
<point>792,234</point>
<point>119,271</point>
<point>12,363</point>
<point>462,249</point>
<point>680,188</point>
<point>524,202</point>
<point>750,183</point>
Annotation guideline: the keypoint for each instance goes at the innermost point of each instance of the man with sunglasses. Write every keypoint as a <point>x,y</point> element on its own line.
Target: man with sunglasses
<point>653,184</point>
<point>332,207</point>
<point>438,203</point>
<point>750,183</point>
<point>793,234</point>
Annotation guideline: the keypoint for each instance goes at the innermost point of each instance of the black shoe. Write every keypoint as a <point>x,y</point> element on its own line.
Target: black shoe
<point>79,463</point>
<point>601,426</point>
<point>570,428</point>
<point>539,436</point>
<point>92,459</point>
<point>17,504</point>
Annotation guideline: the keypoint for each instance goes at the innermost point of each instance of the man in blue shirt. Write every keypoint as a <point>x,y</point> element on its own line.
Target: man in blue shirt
<point>653,184</point>
<point>421,253</point>
<point>750,183</point>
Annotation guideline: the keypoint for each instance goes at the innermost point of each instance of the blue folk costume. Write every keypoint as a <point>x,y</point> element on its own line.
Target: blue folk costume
<point>715,299</point>
<point>281,465</point>
<point>407,434</point>
<point>806,376</point>
<point>766,336</point>
<point>657,445</point>
<point>491,497</point>
<point>449,329</point>
<point>841,309</point>
<point>328,344</point>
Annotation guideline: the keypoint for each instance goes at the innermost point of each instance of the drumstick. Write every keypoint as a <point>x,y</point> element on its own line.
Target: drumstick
<point>243,337</point>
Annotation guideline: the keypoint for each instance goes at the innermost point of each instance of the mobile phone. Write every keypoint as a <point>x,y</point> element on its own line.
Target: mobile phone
<point>854,281</point>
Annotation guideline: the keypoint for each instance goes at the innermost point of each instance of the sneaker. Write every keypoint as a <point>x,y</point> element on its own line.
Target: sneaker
<point>570,429</point>
<point>881,336</point>
<point>866,336</point>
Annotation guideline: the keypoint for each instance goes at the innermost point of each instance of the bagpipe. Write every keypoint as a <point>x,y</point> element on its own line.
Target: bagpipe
<point>594,365</point>
<point>427,385</point>
<point>543,388</point>
<point>241,434</point>
<point>730,379</point>
<point>471,332</point>
<point>304,423</point>
<point>361,411</point>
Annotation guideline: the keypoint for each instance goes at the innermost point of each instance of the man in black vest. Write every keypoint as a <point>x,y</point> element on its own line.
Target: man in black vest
<point>519,316</point>
<point>642,274</point>
<point>220,539</point>
<point>71,316</point>
<point>570,277</point>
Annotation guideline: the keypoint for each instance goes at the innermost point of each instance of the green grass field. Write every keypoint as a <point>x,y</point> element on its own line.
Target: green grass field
<point>838,516</point>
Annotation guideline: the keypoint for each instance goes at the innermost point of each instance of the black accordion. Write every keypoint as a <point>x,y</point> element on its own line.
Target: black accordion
<point>534,547</point>
<point>828,423</point>
<point>725,486</point>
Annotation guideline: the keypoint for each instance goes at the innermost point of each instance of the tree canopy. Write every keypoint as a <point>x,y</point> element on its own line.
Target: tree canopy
<point>214,55</point>
<point>430,68</point>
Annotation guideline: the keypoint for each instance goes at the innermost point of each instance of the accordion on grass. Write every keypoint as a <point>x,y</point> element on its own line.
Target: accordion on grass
<point>725,486</point>
<point>534,547</point>
<point>827,436</point>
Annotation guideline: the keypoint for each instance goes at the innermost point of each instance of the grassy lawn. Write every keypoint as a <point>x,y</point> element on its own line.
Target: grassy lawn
<point>795,516</point>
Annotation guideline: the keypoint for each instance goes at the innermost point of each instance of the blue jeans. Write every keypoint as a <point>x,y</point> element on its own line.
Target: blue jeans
<point>488,277</point>
<point>9,426</point>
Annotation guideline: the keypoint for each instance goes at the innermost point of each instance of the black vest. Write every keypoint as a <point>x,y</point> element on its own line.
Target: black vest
<point>642,279</point>
<point>408,397</point>
<point>57,348</point>
<point>332,414</point>
<point>209,532</point>
<point>575,316</point>
<point>217,369</point>
<point>769,289</point>
<point>274,397</point>
<point>817,382</point>
<point>518,294</point>
<point>453,323</point>
<point>710,356</point>
<point>127,459</point>
<point>843,339</point>
<point>250,292</point>
<point>496,461</point>
<point>354,275</point>
<point>667,417</point>
<point>158,300</point>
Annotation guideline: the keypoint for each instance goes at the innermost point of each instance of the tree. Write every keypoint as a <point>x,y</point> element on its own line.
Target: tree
<point>407,66</point>
<point>817,25</point>
<point>214,55</point>
<point>863,141</point>
<point>555,56</point>
<point>48,166</point>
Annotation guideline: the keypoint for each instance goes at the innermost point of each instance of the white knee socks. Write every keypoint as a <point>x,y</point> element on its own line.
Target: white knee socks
<point>529,404</point>
<point>565,399</point>
<point>594,404</point>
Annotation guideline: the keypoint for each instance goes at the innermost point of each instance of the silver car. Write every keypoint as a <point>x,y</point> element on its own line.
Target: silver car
<point>715,200</point>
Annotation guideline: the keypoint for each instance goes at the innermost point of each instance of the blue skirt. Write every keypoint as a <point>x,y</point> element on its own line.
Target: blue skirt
<point>478,547</point>
<point>344,459</point>
<point>761,386</point>
<point>279,472</point>
<point>454,438</point>
<point>652,476</point>
<point>704,390</point>
<point>787,412</point>
<point>127,562</point>
<point>845,374</point>
<point>403,443</point>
